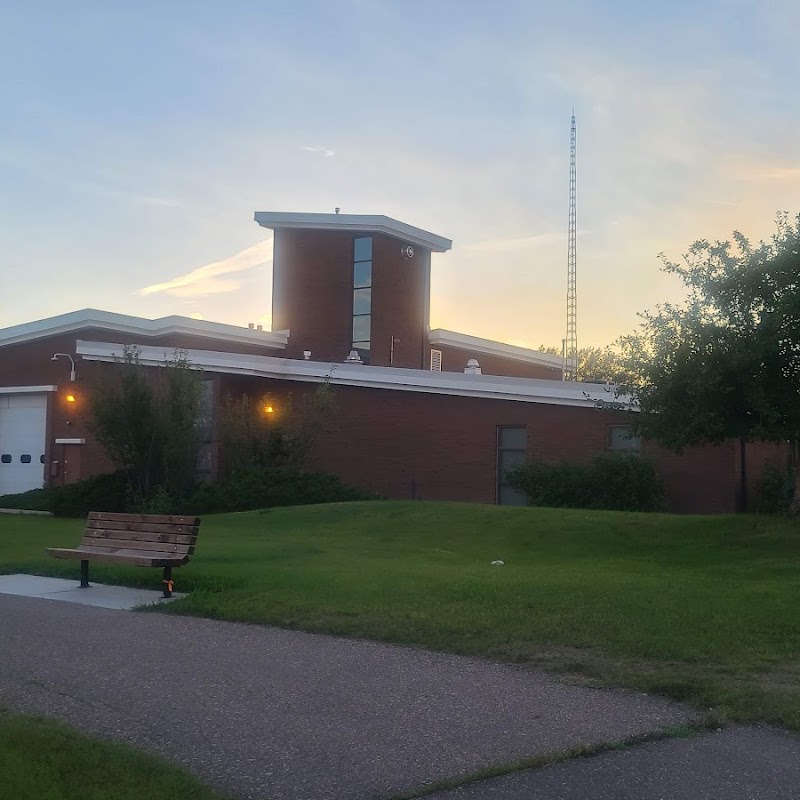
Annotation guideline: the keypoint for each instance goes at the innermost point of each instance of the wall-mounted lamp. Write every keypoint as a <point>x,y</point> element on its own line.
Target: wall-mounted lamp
<point>269,410</point>
<point>72,367</point>
<point>70,398</point>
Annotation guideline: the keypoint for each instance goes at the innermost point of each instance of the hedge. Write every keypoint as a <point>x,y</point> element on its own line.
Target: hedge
<point>611,481</point>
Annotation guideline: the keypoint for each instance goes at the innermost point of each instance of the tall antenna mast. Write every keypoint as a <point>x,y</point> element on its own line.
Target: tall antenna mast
<point>571,345</point>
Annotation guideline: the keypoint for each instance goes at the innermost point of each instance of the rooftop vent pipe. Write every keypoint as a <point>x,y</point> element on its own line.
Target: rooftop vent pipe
<point>473,367</point>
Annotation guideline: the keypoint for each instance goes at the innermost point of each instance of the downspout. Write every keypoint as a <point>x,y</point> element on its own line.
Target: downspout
<point>743,474</point>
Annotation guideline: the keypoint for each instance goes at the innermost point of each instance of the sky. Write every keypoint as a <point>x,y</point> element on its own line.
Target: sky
<point>138,139</point>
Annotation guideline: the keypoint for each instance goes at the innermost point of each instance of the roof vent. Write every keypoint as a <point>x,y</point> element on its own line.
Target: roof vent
<point>473,367</point>
<point>251,325</point>
<point>353,358</point>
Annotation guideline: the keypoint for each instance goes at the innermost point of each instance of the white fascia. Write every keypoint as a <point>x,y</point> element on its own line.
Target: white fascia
<point>27,389</point>
<point>474,344</point>
<point>526,390</point>
<point>122,323</point>
<point>359,223</point>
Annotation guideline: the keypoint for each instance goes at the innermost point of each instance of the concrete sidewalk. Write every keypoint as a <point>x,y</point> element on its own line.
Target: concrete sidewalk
<point>69,591</point>
<point>269,713</point>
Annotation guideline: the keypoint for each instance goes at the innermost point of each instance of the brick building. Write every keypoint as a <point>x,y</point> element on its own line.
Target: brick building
<point>421,413</point>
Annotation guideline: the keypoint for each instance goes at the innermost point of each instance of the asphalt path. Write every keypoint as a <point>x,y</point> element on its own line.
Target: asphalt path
<point>268,713</point>
<point>739,763</point>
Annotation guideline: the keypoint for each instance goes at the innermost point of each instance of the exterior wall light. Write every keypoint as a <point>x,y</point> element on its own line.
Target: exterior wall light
<point>269,410</point>
<point>72,364</point>
<point>70,398</point>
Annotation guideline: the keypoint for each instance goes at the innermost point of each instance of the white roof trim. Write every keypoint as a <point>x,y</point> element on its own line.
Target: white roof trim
<point>405,380</point>
<point>362,223</point>
<point>27,389</point>
<point>491,348</point>
<point>122,323</point>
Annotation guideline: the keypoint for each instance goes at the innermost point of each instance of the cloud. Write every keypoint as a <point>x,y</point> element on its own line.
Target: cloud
<point>323,151</point>
<point>206,280</point>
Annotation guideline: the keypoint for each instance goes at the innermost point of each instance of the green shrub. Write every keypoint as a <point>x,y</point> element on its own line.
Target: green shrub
<point>100,493</point>
<point>611,481</point>
<point>775,490</point>
<point>262,487</point>
<point>246,489</point>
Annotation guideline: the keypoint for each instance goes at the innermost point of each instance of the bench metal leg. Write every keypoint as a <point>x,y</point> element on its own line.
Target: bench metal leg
<point>167,581</point>
<point>84,574</point>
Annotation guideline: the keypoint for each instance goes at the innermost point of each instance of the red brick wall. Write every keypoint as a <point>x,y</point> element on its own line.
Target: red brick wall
<point>759,457</point>
<point>437,447</point>
<point>312,296</point>
<point>455,359</point>
<point>403,444</point>
<point>30,364</point>
<point>701,480</point>
<point>399,303</point>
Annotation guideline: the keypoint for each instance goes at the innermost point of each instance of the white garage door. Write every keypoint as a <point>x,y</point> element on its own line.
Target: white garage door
<point>23,428</point>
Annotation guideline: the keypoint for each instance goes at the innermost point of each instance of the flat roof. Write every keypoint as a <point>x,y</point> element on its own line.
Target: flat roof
<point>458,384</point>
<point>358,223</point>
<point>474,344</point>
<point>91,318</point>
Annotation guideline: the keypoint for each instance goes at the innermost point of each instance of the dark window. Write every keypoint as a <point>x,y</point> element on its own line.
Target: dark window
<point>204,426</point>
<point>512,451</point>
<point>5,458</point>
<point>362,296</point>
<point>621,437</point>
<point>41,459</point>
<point>25,458</point>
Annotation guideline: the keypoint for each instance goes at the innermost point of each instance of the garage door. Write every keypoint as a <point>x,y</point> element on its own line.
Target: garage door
<point>23,428</point>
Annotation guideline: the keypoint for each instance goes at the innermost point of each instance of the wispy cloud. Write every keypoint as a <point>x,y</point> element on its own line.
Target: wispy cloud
<point>323,151</point>
<point>206,279</point>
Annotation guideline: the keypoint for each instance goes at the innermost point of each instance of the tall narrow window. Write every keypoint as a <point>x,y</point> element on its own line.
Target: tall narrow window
<point>512,451</point>
<point>436,360</point>
<point>362,297</point>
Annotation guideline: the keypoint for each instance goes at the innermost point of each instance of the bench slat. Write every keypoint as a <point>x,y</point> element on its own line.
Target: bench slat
<point>145,540</point>
<point>139,536</point>
<point>140,559</point>
<point>154,547</point>
<point>116,525</point>
<point>148,518</point>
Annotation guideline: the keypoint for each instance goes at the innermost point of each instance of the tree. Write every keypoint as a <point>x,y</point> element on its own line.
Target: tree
<point>594,363</point>
<point>726,362</point>
<point>146,418</point>
<point>274,432</point>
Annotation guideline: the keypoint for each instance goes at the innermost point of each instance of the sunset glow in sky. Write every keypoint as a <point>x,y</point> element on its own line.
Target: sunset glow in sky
<point>139,139</point>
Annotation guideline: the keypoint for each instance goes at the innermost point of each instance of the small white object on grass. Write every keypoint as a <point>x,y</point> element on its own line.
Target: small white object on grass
<point>498,563</point>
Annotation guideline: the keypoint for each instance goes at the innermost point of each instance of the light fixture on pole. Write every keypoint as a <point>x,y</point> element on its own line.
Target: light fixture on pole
<point>71,361</point>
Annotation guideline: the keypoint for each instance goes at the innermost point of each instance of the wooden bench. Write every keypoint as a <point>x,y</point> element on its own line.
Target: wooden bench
<point>145,540</point>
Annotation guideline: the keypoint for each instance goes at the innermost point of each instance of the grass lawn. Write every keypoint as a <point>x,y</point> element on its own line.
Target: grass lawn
<point>703,609</point>
<point>44,760</point>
